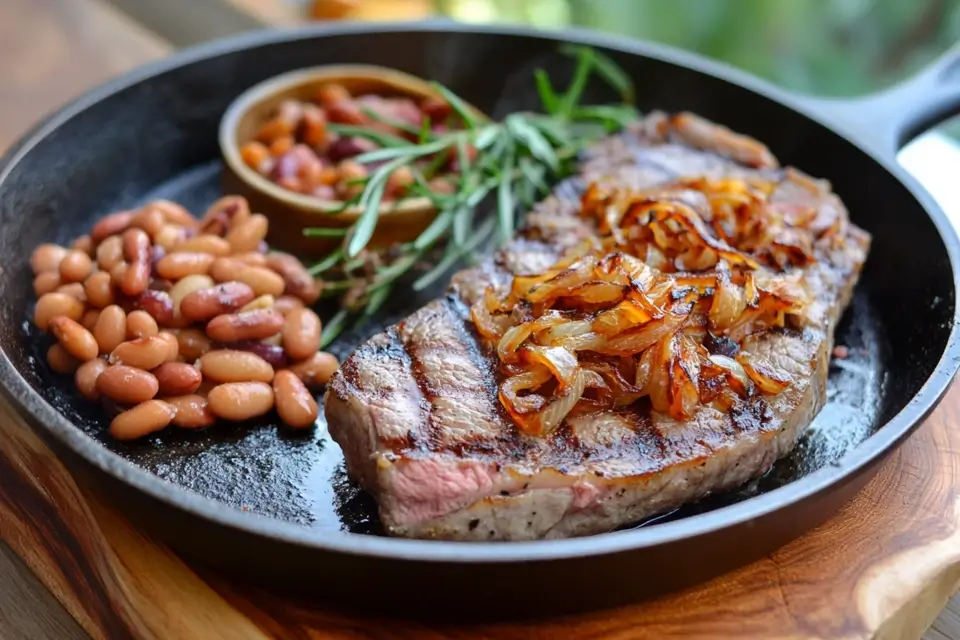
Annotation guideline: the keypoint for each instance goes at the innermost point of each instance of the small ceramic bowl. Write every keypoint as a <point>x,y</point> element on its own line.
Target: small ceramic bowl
<point>290,212</point>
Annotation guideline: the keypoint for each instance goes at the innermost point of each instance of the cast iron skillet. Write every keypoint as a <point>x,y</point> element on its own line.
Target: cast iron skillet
<point>276,508</point>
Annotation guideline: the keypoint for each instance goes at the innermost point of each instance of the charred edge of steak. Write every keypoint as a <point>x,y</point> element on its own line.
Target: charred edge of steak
<point>416,412</point>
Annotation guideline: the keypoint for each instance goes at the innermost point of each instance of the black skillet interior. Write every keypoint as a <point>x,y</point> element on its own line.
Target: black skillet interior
<point>158,138</point>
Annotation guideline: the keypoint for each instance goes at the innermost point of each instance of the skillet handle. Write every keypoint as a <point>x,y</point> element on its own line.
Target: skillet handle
<point>886,121</point>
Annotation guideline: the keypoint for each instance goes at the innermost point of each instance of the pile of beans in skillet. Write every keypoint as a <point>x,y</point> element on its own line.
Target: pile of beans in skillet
<point>297,151</point>
<point>167,319</point>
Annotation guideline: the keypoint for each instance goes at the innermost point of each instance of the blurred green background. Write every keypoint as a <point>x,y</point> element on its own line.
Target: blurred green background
<point>829,47</point>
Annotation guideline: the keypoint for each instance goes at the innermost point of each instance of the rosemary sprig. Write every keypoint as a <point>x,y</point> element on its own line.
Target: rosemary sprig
<point>512,161</point>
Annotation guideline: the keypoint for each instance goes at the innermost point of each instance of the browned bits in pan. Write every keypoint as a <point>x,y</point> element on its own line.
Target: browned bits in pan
<point>295,404</point>
<point>239,401</point>
<point>143,419</point>
<point>46,258</point>
<point>249,325</point>
<point>177,378</point>
<point>193,411</point>
<point>51,305</point>
<point>127,385</point>
<point>145,329</point>
<point>74,339</point>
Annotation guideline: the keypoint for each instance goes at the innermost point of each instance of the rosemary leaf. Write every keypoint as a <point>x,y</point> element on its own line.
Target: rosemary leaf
<point>436,229</point>
<point>396,124</point>
<point>381,138</point>
<point>333,327</point>
<point>487,136</point>
<point>462,221</point>
<point>409,152</point>
<point>457,104</point>
<point>548,98</point>
<point>367,221</point>
<point>481,234</point>
<point>326,232</point>
<point>375,301</point>
<point>327,263</point>
<point>571,98</point>
<point>614,76</point>
<point>539,146</point>
<point>505,203</point>
<point>426,130</point>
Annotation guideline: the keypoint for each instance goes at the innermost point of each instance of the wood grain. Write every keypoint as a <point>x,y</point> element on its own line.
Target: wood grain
<point>882,568</point>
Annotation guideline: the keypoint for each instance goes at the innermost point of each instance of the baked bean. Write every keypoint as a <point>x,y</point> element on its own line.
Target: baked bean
<point>74,289</point>
<point>223,213</point>
<point>86,376</point>
<point>110,252</point>
<point>295,404</point>
<point>206,243</point>
<point>250,258</point>
<point>118,272</point>
<point>61,361</point>
<point>247,235</point>
<point>228,365</point>
<point>111,328</point>
<point>168,236</point>
<point>141,420</point>
<point>111,225</point>
<point>286,304</point>
<point>89,319</point>
<point>262,302</point>
<point>301,334</point>
<point>142,353</point>
<point>136,278</point>
<point>206,303</point>
<point>177,378</point>
<point>225,268</point>
<point>84,243</point>
<point>99,289</point>
<point>173,345</point>
<point>46,282</point>
<point>149,219</point>
<point>47,257</point>
<point>136,245</point>
<point>75,266</point>
<point>272,353</point>
<point>127,385</point>
<point>192,411</point>
<point>181,264</point>
<point>249,325</point>
<point>239,401</point>
<point>193,343</point>
<point>51,305</point>
<point>298,282</point>
<point>159,304</point>
<point>263,281</point>
<point>316,370</point>
<point>173,213</point>
<point>75,340</point>
<point>141,324</point>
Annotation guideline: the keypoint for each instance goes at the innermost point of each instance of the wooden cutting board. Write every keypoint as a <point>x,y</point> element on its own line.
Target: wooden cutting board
<point>884,567</point>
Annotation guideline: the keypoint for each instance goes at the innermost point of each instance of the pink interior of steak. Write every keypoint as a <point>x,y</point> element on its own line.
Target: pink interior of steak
<point>417,413</point>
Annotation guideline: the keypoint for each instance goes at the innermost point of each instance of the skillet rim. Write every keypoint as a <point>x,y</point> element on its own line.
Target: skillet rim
<point>41,414</point>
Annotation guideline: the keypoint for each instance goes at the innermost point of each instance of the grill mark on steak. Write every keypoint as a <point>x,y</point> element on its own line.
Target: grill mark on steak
<point>417,414</point>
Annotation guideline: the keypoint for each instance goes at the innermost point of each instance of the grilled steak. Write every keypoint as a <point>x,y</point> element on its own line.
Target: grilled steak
<point>416,408</point>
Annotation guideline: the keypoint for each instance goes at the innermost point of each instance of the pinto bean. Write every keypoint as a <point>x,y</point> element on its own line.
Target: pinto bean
<point>142,353</point>
<point>47,257</point>
<point>301,334</point>
<point>158,304</point>
<point>206,303</point>
<point>182,264</point>
<point>249,325</point>
<point>86,376</point>
<point>46,282</point>
<point>205,243</point>
<point>109,253</point>
<point>111,328</point>
<point>127,385</point>
<point>193,343</point>
<point>192,411</point>
<point>74,339</point>
<point>247,235</point>
<point>295,404</point>
<point>74,289</point>
<point>75,266</point>
<point>298,282</point>
<point>228,365</point>
<point>60,361</point>
<point>111,225</point>
<point>177,378</point>
<point>263,281</point>
<point>239,401</point>
<point>142,420</point>
<point>51,305</point>
<point>317,370</point>
<point>141,324</point>
<point>99,289</point>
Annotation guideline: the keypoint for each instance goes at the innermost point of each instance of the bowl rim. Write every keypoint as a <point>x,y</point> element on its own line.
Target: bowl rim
<point>269,88</point>
<point>42,415</point>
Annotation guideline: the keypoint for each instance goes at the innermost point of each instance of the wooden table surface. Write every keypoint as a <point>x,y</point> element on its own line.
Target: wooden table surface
<point>51,50</point>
